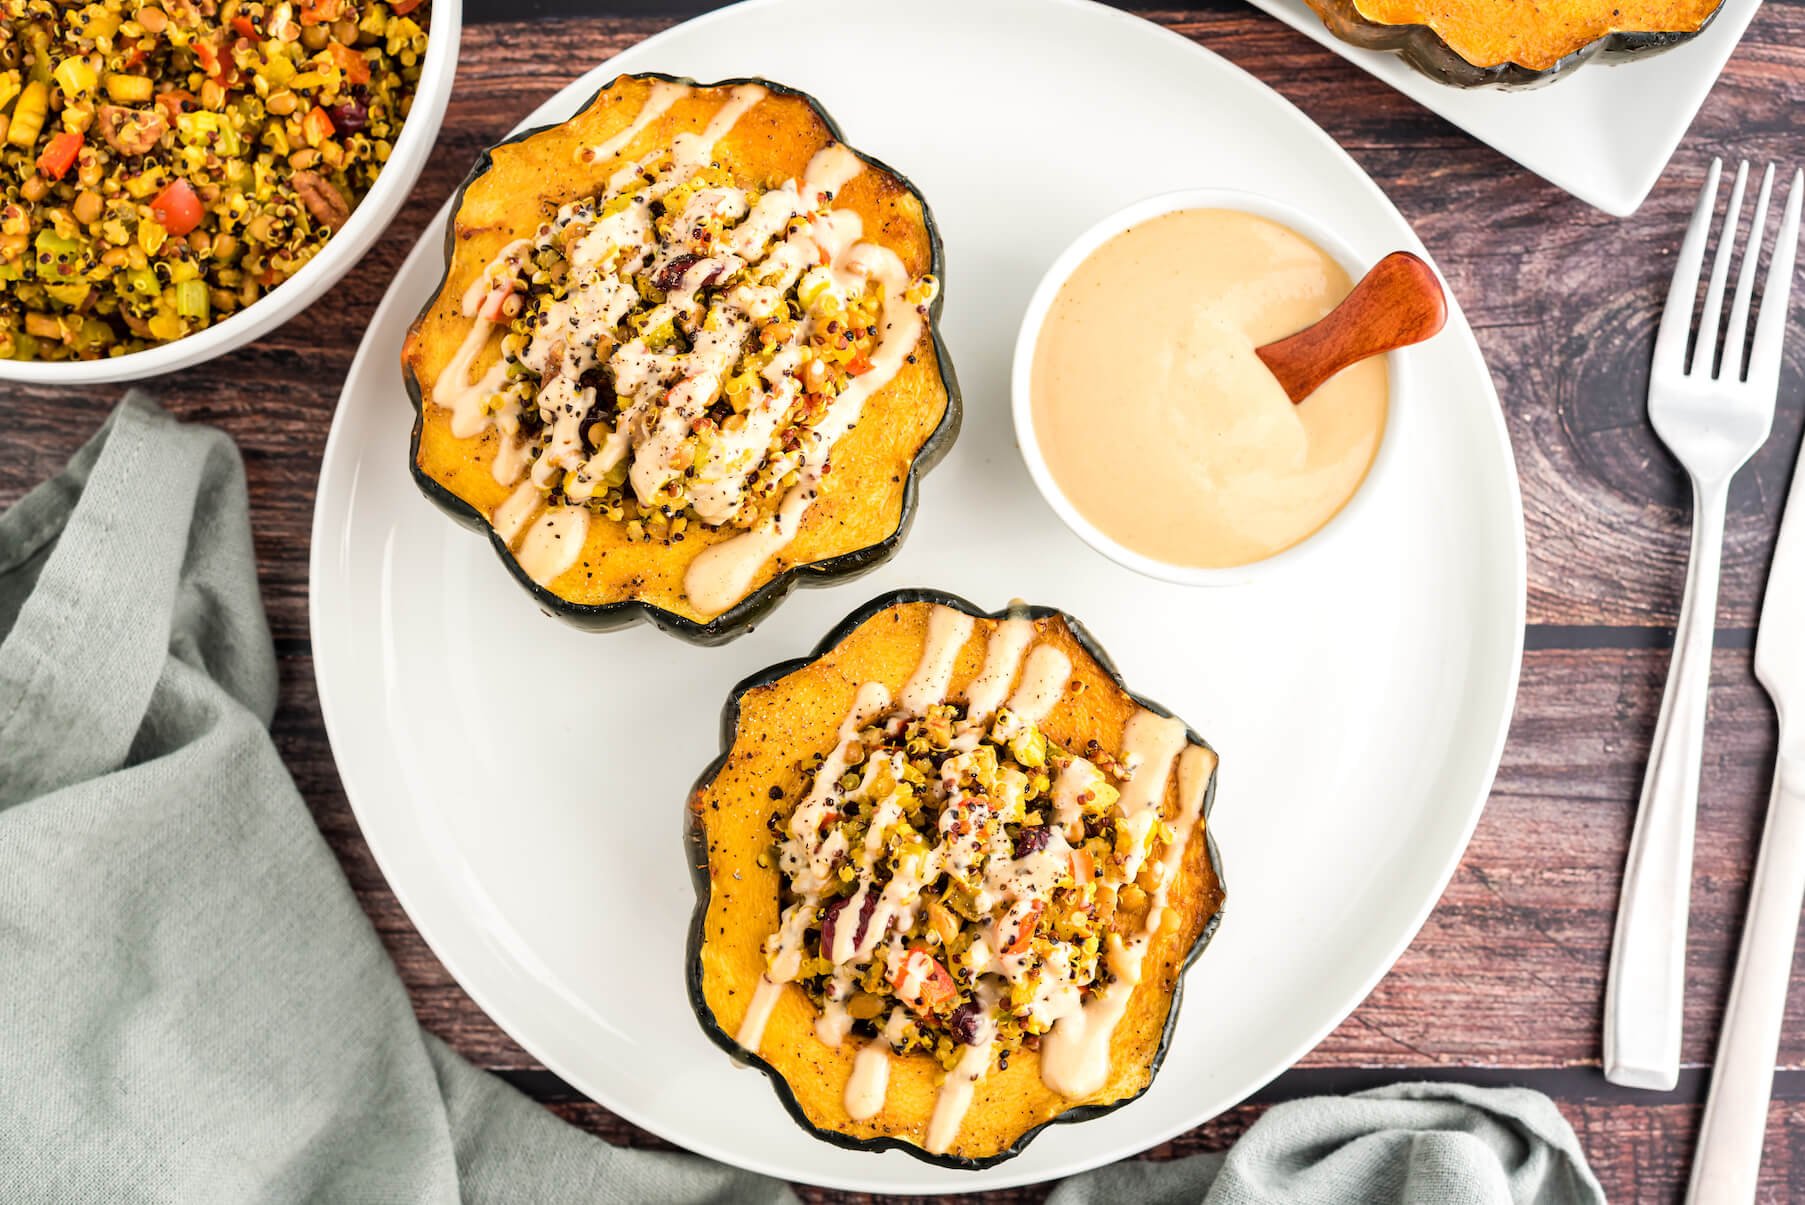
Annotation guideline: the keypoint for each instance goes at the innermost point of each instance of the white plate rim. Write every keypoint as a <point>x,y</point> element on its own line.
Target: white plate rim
<point>328,529</point>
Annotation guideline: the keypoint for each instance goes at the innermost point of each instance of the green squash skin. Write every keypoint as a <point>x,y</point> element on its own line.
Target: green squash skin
<point>695,843</point>
<point>739,618</point>
<point>1424,50</point>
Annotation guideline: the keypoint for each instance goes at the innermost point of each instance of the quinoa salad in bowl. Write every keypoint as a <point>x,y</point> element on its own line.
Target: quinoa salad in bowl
<point>165,166</point>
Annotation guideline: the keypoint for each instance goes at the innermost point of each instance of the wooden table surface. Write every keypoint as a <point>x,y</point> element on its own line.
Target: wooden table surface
<point>1505,982</point>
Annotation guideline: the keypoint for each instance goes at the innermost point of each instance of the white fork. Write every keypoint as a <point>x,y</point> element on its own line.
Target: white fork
<point>1713,421</point>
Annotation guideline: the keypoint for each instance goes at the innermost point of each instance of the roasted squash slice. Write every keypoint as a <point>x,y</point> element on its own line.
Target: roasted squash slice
<point>949,874</point>
<point>684,356</point>
<point>1480,43</point>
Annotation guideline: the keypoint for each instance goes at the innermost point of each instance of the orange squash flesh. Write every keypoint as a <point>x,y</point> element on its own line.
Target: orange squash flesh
<point>1536,34</point>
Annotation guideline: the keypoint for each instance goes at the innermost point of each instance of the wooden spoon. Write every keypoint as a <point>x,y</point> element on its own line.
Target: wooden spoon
<point>1397,303</point>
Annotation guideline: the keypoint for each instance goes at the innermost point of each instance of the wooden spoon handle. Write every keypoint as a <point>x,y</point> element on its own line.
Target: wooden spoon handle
<point>1398,303</point>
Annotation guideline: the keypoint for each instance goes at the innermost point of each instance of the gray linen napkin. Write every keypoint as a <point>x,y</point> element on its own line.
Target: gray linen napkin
<point>1413,1144</point>
<point>194,1008</point>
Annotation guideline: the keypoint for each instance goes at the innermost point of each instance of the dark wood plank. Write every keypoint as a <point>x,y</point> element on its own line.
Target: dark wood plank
<point>1627,1148</point>
<point>1564,299</point>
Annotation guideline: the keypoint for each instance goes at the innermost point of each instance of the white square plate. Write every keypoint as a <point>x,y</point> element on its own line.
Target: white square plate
<point>1604,134</point>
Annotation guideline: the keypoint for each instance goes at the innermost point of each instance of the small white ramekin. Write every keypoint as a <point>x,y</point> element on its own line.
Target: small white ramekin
<point>1021,382</point>
<point>341,252</point>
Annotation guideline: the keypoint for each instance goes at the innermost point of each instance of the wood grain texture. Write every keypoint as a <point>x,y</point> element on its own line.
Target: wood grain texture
<point>1504,983</point>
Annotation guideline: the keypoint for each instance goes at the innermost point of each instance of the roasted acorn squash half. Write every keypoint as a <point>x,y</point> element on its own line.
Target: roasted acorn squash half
<point>889,1034</point>
<point>705,314</point>
<point>1489,43</point>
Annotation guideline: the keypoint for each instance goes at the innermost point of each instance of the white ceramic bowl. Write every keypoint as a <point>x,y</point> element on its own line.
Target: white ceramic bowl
<point>1021,381</point>
<point>341,252</point>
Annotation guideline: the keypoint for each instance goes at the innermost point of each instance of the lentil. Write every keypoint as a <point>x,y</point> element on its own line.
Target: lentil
<point>251,135</point>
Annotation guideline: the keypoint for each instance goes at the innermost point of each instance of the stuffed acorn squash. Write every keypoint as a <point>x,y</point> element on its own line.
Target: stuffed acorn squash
<point>1476,43</point>
<point>684,353</point>
<point>949,873</point>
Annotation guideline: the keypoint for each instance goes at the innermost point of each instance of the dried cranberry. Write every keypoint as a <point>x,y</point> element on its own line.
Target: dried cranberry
<point>673,272</point>
<point>671,275</point>
<point>963,1023</point>
<point>1032,840</point>
<point>831,912</point>
<point>865,911</point>
<point>828,916</point>
<point>349,118</point>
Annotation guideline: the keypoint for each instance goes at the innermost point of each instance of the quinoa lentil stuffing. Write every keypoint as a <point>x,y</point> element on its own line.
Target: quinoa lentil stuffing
<point>675,343</point>
<point>164,165</point>
<point>960,901</point>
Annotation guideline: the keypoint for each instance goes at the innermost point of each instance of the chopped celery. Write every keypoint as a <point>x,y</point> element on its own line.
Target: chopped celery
<point>191,299</point>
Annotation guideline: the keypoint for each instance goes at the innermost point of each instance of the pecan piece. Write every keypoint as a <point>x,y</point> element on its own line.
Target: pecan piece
<point>323,201</point>
<point>131,132</point>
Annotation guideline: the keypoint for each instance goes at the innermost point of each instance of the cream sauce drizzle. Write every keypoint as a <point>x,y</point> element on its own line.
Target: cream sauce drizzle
<point>468,400</point>
<point>961,1084</point>
<point>1001,660</point>
<point>723,574</point>
<point>662,96</point>
<point>546,540</point>
<point>948,630</point>
<point>1077,779</point>
<point>691,153</point>
<point>515,512</point>
<point>1075,1057</point>
<point>1043,682</point>
<point>553,543</point>
<point>872,700</point>
<point>869,1082</point>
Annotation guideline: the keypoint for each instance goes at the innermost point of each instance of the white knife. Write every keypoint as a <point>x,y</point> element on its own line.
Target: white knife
<point>1727,1167</point>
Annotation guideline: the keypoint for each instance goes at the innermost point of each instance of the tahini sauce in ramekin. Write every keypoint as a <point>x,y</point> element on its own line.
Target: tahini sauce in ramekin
<point>1156,418</point>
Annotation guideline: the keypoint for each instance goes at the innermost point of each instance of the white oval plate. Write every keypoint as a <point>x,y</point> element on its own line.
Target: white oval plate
<point>522,783</point>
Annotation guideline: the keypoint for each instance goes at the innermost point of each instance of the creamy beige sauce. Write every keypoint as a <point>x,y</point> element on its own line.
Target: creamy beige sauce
<point>1074,1054</point>
<point>956,1092</point>
<point>872,700</point>
<point>1156,418</point>
<point>515,512</point>
<point>662,96</point>
<point>948,630</point>
<point>551,545</point>
<point>869,1082</point>
<point>1001,660</point>
<point>722,575</point>
<point>1075,1051</point>
<point>1069,791</point>
<point>1043,681</point>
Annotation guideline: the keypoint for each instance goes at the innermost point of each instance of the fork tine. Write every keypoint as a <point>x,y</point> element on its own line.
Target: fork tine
<point>1776,295</point>
<point>1704,351</point>
<point>1736,335</point>
<point>1676,318</point>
